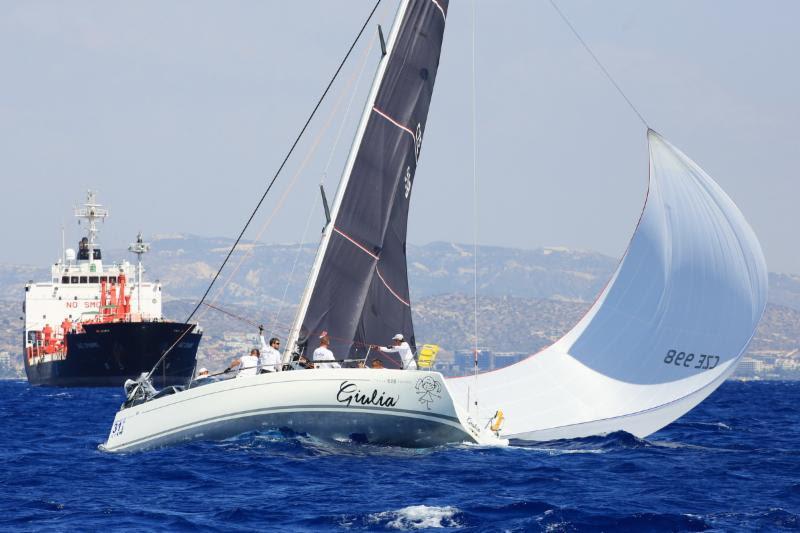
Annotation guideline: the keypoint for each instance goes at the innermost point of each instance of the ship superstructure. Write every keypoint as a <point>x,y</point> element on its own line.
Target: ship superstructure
<point>98,324</point>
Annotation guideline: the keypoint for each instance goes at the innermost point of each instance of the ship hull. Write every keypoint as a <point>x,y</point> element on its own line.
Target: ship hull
<point>105,355</point>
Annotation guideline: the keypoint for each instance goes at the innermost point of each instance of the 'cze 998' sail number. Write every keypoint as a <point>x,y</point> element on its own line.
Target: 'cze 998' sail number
<point>703,361</point>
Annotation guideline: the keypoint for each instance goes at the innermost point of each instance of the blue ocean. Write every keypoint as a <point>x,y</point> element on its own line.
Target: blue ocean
<point>732,464</point>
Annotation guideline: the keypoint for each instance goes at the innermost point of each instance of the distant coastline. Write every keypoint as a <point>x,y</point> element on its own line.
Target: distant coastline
<point>527,299</point>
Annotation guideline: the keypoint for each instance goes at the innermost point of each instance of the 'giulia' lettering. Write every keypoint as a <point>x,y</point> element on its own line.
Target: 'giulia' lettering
<point>349,393</point>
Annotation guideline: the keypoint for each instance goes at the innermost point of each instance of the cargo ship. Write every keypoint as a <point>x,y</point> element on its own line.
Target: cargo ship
<point>96,325</point>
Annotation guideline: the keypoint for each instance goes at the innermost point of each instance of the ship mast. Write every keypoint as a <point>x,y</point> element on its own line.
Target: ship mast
<point>92,212</point>
<point>139,248</point>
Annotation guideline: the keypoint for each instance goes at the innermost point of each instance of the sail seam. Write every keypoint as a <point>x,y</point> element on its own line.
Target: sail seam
<point>378,271</point>
<point>393,121</point>
<point>346,236</point>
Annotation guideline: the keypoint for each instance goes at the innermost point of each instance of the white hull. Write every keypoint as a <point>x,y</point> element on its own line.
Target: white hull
<point>389,407</point>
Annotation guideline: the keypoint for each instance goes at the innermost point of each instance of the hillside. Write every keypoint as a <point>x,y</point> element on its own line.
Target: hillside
<point>186,263</point>
<point>528,298</point>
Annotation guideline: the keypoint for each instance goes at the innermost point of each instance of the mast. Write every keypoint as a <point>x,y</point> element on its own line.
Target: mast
<point>327,232</point>
<point>139,248</point>
<point>92,212</point>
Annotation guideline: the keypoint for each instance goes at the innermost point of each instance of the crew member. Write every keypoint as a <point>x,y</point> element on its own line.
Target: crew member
<point>270,355</point>
<point>323,354</point>
<point>47,332</point>
<point>66,325</point>
<point>401,348</point>
<point>202,374</point>
<point>247,364</point>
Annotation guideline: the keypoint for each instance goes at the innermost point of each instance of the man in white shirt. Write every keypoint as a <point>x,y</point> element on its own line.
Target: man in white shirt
<point>247,364</point>
<point>202,377</point>
<point>401,348</point>
<point>270,356</point>
<point>323,353</point>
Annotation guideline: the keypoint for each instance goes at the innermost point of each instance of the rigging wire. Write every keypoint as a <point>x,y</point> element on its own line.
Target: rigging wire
<point>230,314</point>
<point>599,64</point>
<point>249,322</point>
<point>269,187</point>
<point>292,182</point>
<point>323,178</point>
<point>474,202</point>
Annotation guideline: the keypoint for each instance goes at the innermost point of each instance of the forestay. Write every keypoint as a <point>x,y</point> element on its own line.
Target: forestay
<point>669,327</point>
<point>358,291</point>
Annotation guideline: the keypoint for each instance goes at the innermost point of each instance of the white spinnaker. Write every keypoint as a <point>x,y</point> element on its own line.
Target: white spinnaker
<point>693,281</point>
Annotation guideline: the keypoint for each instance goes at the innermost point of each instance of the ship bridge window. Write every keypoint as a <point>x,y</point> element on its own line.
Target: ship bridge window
<point>73,279</point>
<point>84,279</point>
<point>97,254</point>
<point>112,279</point>
<point>104,279</point>
<point>64,279</point>
<point>94,279</point>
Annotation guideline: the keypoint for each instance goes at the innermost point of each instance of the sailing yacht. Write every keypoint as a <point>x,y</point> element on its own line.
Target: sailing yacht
<point>667,330</point>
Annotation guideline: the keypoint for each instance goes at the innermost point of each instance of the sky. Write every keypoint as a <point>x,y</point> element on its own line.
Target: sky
<point>178,113</point>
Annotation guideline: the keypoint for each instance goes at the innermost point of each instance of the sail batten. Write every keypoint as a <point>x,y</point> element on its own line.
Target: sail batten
<point>358,290</point>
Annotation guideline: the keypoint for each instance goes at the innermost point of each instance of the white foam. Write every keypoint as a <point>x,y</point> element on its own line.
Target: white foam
<point>417,517</point>
<point>559,451</point>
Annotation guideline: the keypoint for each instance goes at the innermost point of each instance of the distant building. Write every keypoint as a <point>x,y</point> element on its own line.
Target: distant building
<point>465,360</point>
<point>503,359</point>
<point>750,366</point>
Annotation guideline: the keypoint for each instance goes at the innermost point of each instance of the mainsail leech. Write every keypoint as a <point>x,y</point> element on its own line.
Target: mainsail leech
<point>358,289</point>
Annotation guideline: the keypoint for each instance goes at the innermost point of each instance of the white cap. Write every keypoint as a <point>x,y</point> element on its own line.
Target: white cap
<point>398,337</point>
<point>203,370</point>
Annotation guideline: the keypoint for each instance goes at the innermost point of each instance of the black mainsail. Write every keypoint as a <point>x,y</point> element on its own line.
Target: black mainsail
<point>358,288</point>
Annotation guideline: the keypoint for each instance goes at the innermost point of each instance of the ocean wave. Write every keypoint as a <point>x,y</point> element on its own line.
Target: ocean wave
<point>729,466</point>
<point>619,440</point>
<point>770,519</point>
<point>680,424</point>
<point>417,517</point>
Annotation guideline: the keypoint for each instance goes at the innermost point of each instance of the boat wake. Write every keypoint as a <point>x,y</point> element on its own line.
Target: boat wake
<point>300,445</point>
<point>619,440</point>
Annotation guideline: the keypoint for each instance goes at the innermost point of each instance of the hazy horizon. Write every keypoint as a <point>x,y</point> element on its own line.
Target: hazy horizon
<point>179,113</point>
